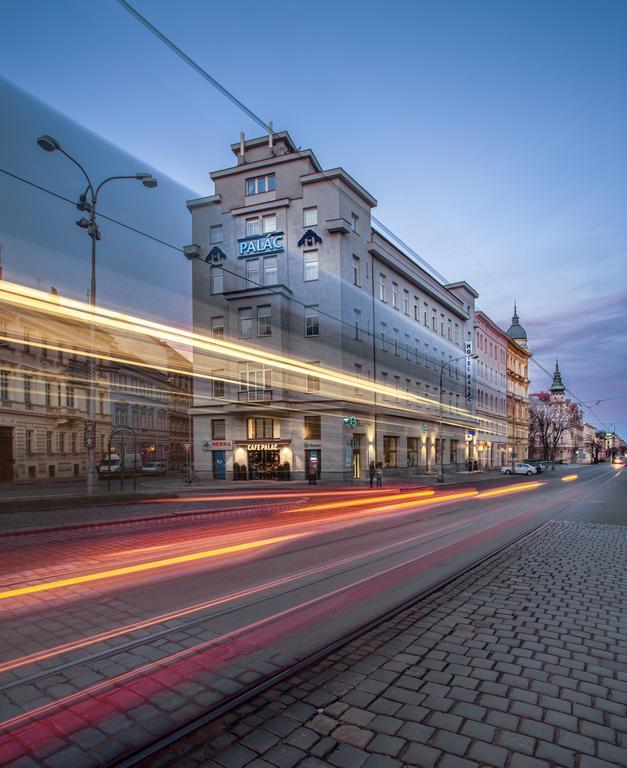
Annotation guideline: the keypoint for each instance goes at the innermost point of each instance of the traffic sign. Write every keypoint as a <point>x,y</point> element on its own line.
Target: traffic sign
<point>188,448</point>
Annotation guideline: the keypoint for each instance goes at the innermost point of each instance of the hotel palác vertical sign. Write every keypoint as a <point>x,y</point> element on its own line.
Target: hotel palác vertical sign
<point>468,371</point>
<point>260,245</point>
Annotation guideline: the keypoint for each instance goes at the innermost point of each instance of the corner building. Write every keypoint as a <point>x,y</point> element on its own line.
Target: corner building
<point>287,265</point>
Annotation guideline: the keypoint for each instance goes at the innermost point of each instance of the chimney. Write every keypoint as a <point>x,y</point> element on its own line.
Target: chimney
<point>242,150</point>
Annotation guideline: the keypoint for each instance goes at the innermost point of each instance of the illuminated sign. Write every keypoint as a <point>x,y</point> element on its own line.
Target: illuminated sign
<point>257,245</point>
<point>350,420</point>
<point>470,434</point>
<point>468,371</point>
<point>263,446</point>
<point>217,445</point>
<point>425,427</point>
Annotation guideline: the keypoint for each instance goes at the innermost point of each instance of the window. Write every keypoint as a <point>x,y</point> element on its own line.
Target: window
<point>412,451</point>
<point>395,295</point>
<point>357,323</point>
<point>261,184</point>
<point>245,322</point>
<point>270,270</point>
<point>354,220</point>
<point>269,223</point>
<point>384,330</point>
<point>253,272</point>
<point>253,227</point>
<point>313,427</point>
<point>4,386</point>
<point>29,441</point>
<point>48,442</point>
<point>425,310</point>
<point>217,384</point>
<point>395,339</point>
<point>260,428</point>
<point>310,265</point>
<point>28,390</point>
<point>312,321</point>
<point>450,330</point>
<point>382,287</point>
<point>434,321</point>
<point>407,347</point>
<point>390,451</point>
<point>218,429</point>
<point>48,394</point>
<point>310,217</point>
<point>217,280</point>
<point>61,442</point>
<point>215,234</point>
<point>312,383</point>
<point>416,309</point>
<point>73,442</point>
<point>356,280</point>
<point>358,372</point>
<point>264,320</point>
<point>255,380</point>
<point>69,396</point>
<point>217,327</point>
<point>406,302</point>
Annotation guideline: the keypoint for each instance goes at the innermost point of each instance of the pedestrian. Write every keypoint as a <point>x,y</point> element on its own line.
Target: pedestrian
<point>312,474</point>
<point>379,473</point>
<point>371,472</point>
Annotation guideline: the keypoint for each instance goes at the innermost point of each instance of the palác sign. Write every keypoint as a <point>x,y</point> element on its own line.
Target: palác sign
<point>263,446</point>
<point>260,245</point>
<point>468,371</point>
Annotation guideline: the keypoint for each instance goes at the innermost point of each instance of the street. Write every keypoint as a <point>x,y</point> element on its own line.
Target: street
<point>114,636</point>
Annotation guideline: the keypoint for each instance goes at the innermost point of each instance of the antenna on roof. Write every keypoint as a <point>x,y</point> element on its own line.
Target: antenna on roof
<point>270,135</point>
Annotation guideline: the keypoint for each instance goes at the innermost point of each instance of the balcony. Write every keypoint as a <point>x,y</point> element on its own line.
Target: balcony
<point>254,395</point>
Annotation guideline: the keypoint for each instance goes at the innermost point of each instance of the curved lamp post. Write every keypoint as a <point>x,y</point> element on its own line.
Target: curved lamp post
<point>87,204</point>
<point>440,478</point>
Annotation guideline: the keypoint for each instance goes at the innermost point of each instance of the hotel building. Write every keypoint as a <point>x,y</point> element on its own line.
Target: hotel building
<point>330,341</point>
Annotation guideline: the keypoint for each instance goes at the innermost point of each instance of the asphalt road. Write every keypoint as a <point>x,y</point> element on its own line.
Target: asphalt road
<point>112,637</point>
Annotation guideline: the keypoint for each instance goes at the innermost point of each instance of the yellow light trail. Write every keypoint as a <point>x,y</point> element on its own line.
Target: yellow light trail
<point>509,489</point>
<point>365,501</point>
<point>569,478</point>
<point>139,567</point>
<point>84,313</point>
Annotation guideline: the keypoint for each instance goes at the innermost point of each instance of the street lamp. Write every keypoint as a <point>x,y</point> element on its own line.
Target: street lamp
<point>87,204</point>
<point>440,478</point>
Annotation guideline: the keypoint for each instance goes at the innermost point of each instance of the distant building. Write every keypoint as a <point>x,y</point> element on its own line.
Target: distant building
<point>491,344</point>
<point>517,390</point>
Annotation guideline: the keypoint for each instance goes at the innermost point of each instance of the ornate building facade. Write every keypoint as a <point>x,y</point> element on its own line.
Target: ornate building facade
<point>517,390</point>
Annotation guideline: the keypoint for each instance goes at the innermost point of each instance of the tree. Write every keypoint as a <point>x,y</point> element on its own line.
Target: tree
<point>548,422</point>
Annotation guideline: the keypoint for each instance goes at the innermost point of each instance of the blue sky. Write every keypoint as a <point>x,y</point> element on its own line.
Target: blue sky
<point>493,135</point>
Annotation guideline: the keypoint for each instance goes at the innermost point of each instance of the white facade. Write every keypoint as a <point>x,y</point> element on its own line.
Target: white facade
<point>491,346</point>
<point>290,267</point>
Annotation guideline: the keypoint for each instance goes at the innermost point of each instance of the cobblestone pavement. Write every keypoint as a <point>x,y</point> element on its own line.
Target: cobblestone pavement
<point>522,663</point>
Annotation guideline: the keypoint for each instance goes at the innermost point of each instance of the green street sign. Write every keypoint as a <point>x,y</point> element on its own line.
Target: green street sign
<point>350,420</point>
<point>425,427</point>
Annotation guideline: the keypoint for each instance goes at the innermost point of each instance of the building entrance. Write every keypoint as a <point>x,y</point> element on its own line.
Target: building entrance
<point>356,443</point>
<point>6,454</point>
<point>264,465</point>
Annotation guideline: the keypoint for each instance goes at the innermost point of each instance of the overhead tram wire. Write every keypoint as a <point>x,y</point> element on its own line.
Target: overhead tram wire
<point>345,323</point>
<point>266,126</point>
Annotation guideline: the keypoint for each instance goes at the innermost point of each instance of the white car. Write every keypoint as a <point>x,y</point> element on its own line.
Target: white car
<point>520,469</point>
<point>155,468</point>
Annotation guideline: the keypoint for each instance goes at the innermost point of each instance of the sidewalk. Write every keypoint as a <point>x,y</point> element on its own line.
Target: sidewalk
<point>521,663</point>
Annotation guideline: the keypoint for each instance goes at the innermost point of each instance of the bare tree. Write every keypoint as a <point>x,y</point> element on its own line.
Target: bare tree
<point>548,422</point>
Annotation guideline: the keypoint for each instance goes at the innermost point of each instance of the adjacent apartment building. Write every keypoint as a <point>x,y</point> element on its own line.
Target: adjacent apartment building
<point>332,347</point>
<point>518,357</point>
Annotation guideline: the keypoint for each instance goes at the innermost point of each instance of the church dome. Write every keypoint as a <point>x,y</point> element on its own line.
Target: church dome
<point>516,331</point>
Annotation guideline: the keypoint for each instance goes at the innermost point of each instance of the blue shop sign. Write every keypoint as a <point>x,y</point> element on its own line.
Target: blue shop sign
<point>257,245</point>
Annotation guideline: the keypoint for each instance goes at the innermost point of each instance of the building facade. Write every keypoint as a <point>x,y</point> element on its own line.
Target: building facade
<point>491,345</point>
<point>517,390</point>
<point>333,347</point>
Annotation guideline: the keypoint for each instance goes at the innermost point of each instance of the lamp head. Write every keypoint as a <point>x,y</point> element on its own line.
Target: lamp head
<point>48,143</point>
<point>147,179</point>
<point>83,223</point>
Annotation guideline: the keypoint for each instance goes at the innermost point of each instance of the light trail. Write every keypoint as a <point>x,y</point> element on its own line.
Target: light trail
<point>84,314</point>
<point>139,567</point>
<point>363,502</point>
<point>569,478</point>
<point>509,489</point>
<point>278,495</point>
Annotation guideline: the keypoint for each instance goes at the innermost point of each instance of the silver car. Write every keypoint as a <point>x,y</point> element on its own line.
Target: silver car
<point>520,469</point>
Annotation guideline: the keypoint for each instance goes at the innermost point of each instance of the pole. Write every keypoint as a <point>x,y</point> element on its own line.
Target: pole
<point>441,445</point>
<point>91,410</point>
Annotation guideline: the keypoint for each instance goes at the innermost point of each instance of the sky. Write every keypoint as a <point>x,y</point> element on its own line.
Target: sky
<point>494,136</point>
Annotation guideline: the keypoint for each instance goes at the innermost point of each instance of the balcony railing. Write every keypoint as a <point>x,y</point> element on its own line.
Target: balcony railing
<point>254,395</point>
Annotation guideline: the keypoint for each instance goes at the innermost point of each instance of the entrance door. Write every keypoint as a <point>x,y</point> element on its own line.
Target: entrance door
<point>313,458</point>
<point>356,443</point>
<point>6,454</point>
<point>219,465</point>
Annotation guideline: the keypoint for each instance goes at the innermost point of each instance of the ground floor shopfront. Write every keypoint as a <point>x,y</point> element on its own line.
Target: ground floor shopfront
<point>330,445</point>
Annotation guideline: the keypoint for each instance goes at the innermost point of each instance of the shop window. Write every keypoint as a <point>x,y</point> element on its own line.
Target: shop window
<point>390,451</point>
<point>260,428</point>
<point>412,451</point>
<point>312,427</point>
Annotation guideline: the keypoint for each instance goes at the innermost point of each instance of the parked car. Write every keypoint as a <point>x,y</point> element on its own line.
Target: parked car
<point>155,468</point>
<point>520,469</point>
<point>539,465</point>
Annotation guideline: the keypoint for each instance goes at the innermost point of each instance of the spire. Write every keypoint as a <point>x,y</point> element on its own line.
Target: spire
<point>516,331</point>
<point>557,386</point>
